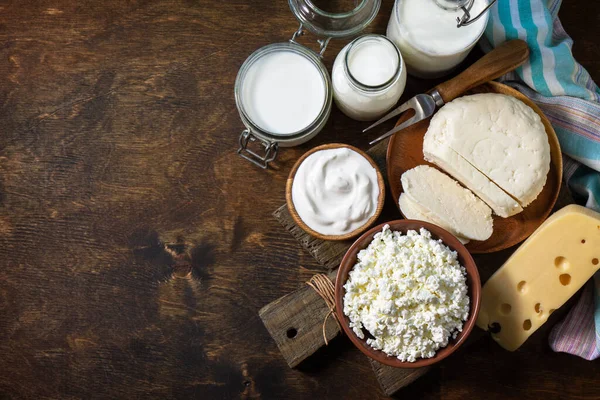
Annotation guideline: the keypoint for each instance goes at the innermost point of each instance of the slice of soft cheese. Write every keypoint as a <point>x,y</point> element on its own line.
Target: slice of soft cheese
<point>450,203</point>
<point>454,164</point>
<point>549,268</point>
<point>500,136</point>
<point>413,210</point>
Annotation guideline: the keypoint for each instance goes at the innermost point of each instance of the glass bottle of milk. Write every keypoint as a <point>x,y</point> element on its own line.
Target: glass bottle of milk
<point>368,77</point>
<point>426,33</point>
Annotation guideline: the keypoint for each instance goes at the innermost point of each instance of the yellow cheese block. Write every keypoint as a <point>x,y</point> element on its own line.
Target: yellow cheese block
<point>549,268</point>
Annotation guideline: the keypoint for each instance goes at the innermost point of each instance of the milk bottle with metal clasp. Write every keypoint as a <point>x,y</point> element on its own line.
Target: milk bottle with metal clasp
<point>434,36</point>
<point>368,77</point>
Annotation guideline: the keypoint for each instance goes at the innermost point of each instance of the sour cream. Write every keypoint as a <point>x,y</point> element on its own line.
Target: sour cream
<point>283,92</point>
<point>335,191</point>
<point>428,38</point>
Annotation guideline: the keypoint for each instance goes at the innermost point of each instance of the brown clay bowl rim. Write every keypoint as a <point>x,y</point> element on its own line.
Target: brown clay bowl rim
<point>294,213</point>
<point>473,282</point>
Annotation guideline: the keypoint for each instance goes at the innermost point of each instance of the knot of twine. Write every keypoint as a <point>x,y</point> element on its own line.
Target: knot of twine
<point>324,288</point>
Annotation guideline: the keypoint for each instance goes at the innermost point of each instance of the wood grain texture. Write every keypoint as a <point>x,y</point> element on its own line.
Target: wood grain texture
<point>326,253</point>
<point>394,379</point>
<point>299,323</point>
<point>117,152</point>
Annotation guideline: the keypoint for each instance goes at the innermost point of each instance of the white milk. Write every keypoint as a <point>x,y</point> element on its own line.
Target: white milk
<point>378,77</point>
<point>373,63</point>
<point>283,92</point>
<point>428,38</point>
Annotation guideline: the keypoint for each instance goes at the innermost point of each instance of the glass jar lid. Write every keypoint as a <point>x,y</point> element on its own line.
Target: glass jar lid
<point>335,19</point>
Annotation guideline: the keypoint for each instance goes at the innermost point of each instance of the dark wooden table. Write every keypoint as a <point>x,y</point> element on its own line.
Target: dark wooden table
<point>136,247</point>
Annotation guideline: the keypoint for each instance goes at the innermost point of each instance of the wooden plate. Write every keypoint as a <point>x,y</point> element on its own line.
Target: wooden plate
<point>405,151</point>
<point>473,283</point>
<point>294,213</point>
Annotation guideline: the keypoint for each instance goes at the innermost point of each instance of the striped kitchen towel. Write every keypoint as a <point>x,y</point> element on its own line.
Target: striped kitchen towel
<point>566,93</point>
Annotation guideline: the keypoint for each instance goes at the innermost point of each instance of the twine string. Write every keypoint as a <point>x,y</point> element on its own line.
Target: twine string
<point>324,288</point>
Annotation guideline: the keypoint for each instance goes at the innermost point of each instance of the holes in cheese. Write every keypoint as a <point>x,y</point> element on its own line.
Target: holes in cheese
<point>582,241</point>
<point>495,328</point>
<point>564,279</point>
<point>561,263</point>
<point>544,272</point>
<point>505,308</point>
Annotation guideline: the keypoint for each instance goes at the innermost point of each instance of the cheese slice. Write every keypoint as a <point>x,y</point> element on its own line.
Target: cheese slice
<point>454,164</point>
<point>450,203</point>
<point>548,268</point>
<point>412,210</point>
<point>501,137</point>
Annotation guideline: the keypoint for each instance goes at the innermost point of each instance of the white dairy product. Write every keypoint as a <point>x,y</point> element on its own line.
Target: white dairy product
<point>283,92</point>
<point>335,191</point>
<point>428,37</point>
<point>454,164</point>
<point>409,292</point>
<point>451,203</point>
<point>368,77</point>
<point>412,210</point>
<point>501,137</point>
<point>373,62</point>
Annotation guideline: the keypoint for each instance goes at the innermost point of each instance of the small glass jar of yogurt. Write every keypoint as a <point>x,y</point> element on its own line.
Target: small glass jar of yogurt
<point>426,33</point>
<point>368,77</point>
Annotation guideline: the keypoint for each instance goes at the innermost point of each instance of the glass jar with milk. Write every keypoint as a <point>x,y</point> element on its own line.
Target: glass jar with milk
<point>428,35</point>
<point>283,91</point>
<point>368,77</point>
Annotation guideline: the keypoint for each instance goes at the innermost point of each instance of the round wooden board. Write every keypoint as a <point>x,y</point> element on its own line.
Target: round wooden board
<point>405,151</point>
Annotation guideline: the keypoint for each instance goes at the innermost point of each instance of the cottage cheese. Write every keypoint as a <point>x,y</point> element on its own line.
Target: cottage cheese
<point>409,292</point>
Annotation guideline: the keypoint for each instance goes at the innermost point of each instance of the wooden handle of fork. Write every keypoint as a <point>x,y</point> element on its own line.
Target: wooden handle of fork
<point>494,64</point>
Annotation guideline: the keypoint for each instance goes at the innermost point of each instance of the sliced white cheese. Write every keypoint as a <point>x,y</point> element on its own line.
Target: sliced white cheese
<point>450,203</point>
<point>412,210</point>
<point>500,136</point>
<point>454,164</point>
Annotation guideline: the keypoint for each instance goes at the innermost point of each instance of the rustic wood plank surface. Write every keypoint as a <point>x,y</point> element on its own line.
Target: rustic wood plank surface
<point>136,247</point>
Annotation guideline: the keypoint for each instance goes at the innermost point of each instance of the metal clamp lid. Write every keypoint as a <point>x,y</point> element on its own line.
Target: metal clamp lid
<point>270,150</point>
<point>344,23</point>
<point>322,42</point>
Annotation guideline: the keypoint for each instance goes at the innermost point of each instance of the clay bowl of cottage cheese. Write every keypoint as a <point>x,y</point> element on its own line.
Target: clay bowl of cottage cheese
<point>407,293</point>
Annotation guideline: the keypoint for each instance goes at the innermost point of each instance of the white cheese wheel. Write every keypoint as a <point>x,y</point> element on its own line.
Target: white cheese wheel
<point>450,203</point>
<point>501,137</point>
<point>412,210</point>
<point>454,164</point>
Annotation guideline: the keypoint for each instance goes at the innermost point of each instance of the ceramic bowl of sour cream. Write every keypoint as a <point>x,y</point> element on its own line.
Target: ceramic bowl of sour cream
<point>335,192</point>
